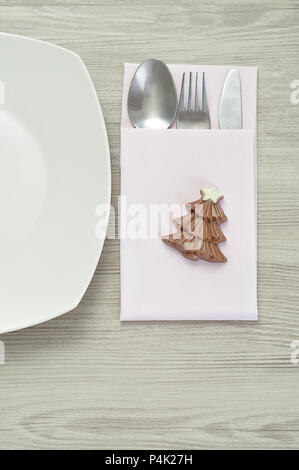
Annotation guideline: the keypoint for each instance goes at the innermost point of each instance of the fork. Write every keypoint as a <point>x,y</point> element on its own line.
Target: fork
<point>193,117</point>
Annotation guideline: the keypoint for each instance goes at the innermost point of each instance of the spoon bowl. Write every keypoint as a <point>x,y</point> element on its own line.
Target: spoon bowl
<point>152,97</point>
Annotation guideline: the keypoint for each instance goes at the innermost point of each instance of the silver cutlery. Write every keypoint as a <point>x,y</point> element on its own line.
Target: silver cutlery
<point>230,108</point>
<point>191,115</point>
<point>152,98</point>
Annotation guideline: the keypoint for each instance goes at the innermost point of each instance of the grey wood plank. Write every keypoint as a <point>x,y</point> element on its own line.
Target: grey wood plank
<point>84,380</point>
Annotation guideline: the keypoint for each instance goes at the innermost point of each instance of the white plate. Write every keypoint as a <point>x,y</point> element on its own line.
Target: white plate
<point>54,172</point>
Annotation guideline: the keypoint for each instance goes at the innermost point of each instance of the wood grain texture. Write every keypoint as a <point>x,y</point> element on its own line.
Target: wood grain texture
<point>84,380</point>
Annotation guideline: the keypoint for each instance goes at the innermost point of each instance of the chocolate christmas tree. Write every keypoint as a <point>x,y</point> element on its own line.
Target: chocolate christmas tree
<point>198,232</point>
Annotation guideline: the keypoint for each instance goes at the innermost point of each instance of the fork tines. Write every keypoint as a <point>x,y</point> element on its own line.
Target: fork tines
<point>190,115</point>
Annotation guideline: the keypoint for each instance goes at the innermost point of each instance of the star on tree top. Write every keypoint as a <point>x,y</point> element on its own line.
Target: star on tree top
<point>211,194</point>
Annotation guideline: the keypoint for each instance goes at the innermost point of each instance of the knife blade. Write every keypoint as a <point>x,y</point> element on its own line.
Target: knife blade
<point>230,108</point>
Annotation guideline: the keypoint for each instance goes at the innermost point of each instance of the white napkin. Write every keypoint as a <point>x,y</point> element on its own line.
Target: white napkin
<point>170,167</point>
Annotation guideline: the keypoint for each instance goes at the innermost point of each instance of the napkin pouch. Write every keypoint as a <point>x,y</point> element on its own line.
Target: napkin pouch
<point>162,168</point>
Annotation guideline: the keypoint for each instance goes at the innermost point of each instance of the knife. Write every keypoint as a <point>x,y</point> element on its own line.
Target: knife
<point>230,108</point>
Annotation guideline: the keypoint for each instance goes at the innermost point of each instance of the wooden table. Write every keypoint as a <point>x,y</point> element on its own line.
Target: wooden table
<point>84,380</point>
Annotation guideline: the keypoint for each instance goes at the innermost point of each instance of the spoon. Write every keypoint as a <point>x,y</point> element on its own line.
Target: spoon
<point>152,97</point>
